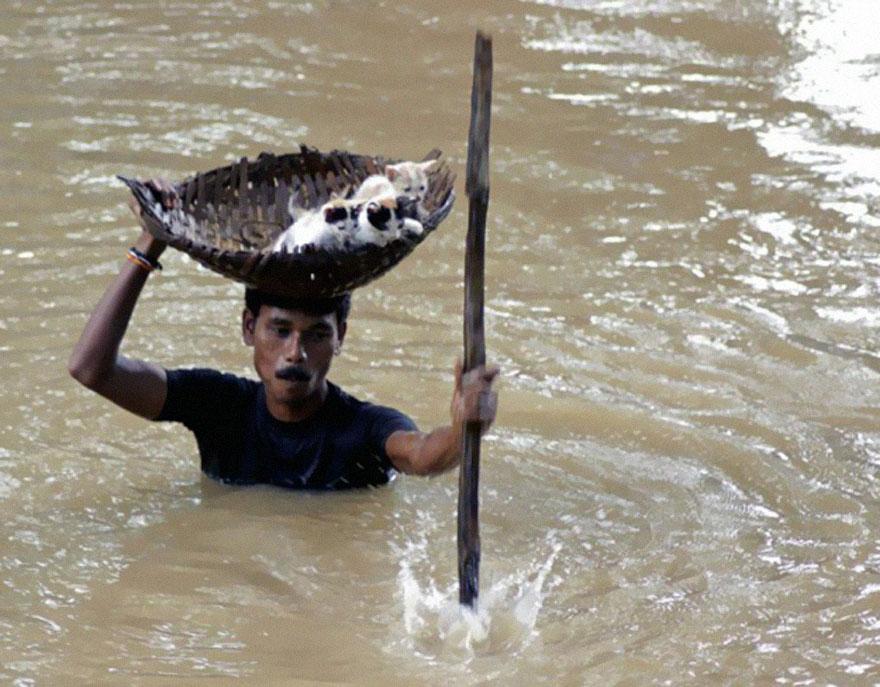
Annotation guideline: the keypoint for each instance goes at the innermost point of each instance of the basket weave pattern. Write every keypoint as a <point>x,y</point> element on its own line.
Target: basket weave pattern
<point>231,216</point>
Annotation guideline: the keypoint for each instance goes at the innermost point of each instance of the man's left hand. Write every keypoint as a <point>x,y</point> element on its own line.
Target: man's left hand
<point>474,398</point>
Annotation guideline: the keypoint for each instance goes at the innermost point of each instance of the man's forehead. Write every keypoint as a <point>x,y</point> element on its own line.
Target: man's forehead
<point>296,317</point>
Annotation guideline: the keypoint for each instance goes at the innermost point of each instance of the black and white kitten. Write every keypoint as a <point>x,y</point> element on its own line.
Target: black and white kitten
<point>384,219</point>
<point>330,226</point>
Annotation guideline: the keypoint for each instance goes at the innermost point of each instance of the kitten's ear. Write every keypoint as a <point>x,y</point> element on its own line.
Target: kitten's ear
<point>428,165</point>
<point>342,193</point>
<point>392,172</point>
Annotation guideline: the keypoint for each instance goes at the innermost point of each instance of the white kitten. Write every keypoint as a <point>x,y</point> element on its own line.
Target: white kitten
<point>409,179</point>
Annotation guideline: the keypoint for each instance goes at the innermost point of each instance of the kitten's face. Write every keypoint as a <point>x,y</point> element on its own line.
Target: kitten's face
<point>410,178</point>
<point>381,213</point>
<point>341,214</point>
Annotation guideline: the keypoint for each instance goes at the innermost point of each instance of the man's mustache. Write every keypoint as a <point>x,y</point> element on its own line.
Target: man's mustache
<point>293,373</point>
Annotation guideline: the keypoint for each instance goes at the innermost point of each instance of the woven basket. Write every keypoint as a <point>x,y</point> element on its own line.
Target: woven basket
<point>230,218</point>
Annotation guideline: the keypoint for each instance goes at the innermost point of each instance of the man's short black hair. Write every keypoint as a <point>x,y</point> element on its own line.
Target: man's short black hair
<point>338,305</point>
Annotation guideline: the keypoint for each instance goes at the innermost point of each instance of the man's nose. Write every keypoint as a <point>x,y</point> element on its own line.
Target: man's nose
<point>295,350</point>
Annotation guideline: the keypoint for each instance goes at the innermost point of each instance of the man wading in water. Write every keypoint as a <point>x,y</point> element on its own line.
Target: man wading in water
<point>293,428</point>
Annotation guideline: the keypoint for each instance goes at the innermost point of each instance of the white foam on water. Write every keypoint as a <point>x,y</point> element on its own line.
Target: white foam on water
<point>870,317</point>
<point>838,67</point>
<point>504,620</point>
<point>777,225</point>
<point>774,321</point>
<point>838,74</point>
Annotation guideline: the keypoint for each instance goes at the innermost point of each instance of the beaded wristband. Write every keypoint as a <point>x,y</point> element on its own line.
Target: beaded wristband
<point>142,260</point>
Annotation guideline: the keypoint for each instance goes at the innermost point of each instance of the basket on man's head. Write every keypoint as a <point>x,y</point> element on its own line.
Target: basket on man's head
<point>229,218</point>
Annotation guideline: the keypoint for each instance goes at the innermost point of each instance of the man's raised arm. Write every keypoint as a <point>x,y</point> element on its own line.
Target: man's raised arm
<point>473,400</point>
<point>135,385</point>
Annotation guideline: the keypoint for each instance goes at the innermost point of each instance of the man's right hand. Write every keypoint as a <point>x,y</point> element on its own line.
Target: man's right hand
<point>148,244</point>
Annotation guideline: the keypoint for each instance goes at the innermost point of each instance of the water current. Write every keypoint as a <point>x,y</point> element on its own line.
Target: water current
<point>683,485</point>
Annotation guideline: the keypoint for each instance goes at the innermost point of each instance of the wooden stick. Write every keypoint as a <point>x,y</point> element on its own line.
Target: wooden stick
<point>477,188</point>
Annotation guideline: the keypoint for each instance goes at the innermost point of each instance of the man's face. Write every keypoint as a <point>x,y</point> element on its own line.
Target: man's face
<point>292,350</point>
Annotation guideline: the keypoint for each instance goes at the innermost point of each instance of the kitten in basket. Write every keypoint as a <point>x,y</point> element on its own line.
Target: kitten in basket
<point>409,179</point>
<point>376,213</point>
<point>345,223</point>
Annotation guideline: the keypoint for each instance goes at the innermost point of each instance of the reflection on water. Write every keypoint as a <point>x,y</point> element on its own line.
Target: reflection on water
<point>682,288</point>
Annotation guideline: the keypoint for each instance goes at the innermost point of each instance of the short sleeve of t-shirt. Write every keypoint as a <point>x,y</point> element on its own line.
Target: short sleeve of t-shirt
<point>384,422</point>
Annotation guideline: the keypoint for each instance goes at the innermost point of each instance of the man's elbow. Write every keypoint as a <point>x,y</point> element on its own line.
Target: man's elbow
<point>427,467</point>
<point>415,453</point>
<point>418,469</point>
<point>85,374</point>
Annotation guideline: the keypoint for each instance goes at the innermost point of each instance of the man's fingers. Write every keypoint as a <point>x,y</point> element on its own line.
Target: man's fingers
<point>478,401</point>
<point>159,184</point>
<point>487,405</point>
<point>491,372</point>
<point>165,191</point>
<point>481,375</point>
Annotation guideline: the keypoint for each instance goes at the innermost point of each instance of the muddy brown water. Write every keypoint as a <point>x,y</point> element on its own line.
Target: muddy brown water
<point>682,290</point>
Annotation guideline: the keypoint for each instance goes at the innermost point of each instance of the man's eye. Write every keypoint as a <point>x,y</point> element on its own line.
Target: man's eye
<point>281,331</point>
<point>316,336</point>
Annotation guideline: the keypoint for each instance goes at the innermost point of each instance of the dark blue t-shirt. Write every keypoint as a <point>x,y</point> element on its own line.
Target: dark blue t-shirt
<point>339,447</point>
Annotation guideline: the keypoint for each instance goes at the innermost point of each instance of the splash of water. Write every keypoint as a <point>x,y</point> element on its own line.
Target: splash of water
<point>505,617</point>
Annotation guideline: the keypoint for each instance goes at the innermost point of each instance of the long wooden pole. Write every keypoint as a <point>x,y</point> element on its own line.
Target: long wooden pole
<point>477,189</point>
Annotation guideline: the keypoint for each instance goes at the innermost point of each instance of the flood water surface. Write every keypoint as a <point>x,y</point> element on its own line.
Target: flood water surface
<point>683,486</point>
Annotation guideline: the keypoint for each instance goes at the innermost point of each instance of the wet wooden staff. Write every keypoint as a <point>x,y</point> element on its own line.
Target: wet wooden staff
<point>477,188</point>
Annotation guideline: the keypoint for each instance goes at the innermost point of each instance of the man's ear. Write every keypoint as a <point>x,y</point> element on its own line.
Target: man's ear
<point>341,332</point>
<point>248,325</point>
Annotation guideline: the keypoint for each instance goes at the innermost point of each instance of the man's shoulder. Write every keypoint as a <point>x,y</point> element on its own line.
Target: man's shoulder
<point>211,379</point>
<point>349,407</point>
<point>197,393</point>
<point>338,395</point>
<point>341,400</point>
